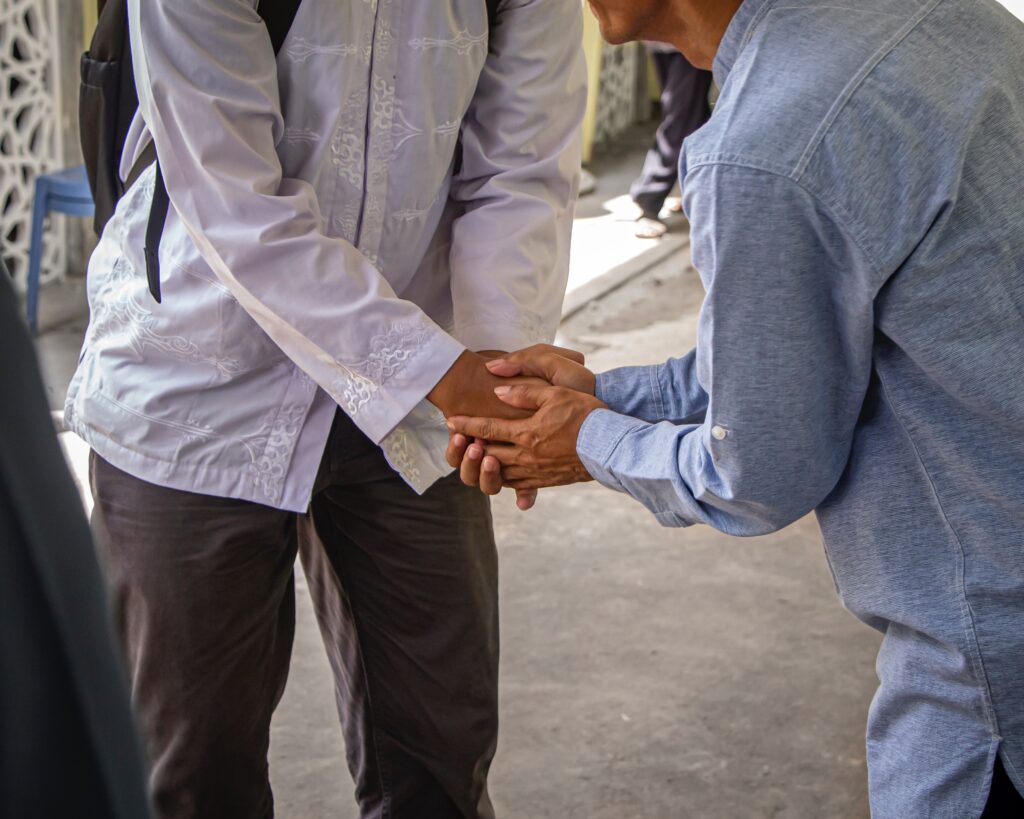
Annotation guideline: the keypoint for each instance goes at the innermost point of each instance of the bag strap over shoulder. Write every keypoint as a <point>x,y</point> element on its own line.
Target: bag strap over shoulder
<point>493,11</point>
<point>278,15</point>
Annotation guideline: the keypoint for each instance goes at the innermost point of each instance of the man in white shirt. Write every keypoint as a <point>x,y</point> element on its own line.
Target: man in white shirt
<point>351,224</point>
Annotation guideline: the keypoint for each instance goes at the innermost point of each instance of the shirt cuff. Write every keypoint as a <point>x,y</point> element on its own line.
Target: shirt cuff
<point>416,447</point>
<point>602,431</point>
<point>634,391</point>
<point>404,365</point>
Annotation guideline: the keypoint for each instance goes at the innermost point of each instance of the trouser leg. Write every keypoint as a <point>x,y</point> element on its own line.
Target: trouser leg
<point>205,603</point>
<point>684,108</point>
<point>405,591</point>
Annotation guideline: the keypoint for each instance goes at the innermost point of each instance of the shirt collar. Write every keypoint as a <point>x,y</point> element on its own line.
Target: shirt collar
<point>736,36</point>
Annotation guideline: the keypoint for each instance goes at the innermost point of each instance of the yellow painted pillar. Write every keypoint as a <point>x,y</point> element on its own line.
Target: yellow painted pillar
<point>593,49</point>
<point>88,20</point>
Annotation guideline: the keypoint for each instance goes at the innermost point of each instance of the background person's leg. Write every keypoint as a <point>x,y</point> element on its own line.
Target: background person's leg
<point>684,109</point>
<point>205,603</point>
<point>405,590</point>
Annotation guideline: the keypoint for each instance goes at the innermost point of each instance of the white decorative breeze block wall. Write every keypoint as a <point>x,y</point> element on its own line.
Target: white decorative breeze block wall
<point>617,99</point>
<point>30,127</point>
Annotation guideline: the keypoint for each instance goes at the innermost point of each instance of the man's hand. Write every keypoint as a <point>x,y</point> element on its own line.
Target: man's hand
<point>468,389</point>
<point>556,365</point>
<point>537,451</point>
<point>467,384</point>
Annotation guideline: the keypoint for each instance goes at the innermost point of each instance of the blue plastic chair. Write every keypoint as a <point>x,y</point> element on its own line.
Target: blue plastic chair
<point>65,191</point>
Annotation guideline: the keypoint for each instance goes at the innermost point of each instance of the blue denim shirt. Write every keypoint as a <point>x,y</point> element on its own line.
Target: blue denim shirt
<point>857,213</point>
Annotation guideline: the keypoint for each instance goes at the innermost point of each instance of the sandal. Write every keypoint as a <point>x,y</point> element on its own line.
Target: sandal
<point>648,227</point>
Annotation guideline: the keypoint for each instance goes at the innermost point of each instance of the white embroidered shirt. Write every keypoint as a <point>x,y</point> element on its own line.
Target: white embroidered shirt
<point>324,247</point>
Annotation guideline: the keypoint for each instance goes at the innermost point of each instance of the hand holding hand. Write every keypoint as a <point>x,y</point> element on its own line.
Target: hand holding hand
<point>468,389</point>
<point>557,365</point>
<point>537,451</point>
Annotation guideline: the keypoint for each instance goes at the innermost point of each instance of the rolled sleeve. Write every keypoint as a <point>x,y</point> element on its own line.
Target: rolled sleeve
<point>659,392</point>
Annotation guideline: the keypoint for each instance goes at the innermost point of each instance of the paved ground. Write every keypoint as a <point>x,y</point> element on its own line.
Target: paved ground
<point>647,673</point>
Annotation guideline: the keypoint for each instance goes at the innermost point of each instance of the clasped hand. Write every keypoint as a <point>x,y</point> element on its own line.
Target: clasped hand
<point>554,387</point>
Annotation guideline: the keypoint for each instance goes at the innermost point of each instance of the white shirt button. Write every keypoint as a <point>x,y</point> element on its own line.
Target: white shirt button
<point>719,433</point>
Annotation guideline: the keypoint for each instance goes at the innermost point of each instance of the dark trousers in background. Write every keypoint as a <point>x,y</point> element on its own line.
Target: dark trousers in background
<point>685,108</point>
<point>1004,802</point>
<point>405,592</point>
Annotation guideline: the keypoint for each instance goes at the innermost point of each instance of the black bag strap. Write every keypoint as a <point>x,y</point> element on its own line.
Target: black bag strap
<point>492,13</point>
<point>278,16</point>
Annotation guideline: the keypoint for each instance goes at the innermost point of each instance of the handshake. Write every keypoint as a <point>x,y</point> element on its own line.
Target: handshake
<point>513,419</point>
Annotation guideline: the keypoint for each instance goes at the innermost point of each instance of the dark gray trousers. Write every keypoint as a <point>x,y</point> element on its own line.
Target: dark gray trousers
<point>684,109</point>
<point>405,591</point>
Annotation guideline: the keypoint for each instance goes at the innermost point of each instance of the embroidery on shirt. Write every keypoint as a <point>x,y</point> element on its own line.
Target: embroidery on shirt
<point>116,310</point>
<point>398,448</point>
<point>449,128</point>
<point>382,115</point>
<point>345,221</point>
<point>270,448</point>
<point>409,214</point>
<point>462,43</point>
<point>294,135</point>
<point>403,129</point>
<point>302,49</point>
<point>347,143</point>
<point>389,351</point>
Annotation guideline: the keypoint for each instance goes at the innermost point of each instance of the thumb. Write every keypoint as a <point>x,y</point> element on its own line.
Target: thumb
<point>523,396</point>
<point>504,368</point>
<point>538,362</point>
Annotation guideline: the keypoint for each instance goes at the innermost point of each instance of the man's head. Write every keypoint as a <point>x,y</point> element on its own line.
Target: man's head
<point>695,27</point>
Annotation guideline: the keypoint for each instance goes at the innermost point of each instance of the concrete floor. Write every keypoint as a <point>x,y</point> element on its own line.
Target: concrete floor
<point>647,673</point>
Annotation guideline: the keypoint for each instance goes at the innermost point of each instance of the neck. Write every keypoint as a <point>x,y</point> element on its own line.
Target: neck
<point>696,27</point>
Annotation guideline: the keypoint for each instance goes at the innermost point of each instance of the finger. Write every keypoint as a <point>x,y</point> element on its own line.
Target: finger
<point>504,454</point>
<point>523,396</point>
<point>504,368</point>
<point>565,352</point>
<point>542,361</point>
<point>526,484</point>
<point>490,477</point>
<point>457,445</point>
<point>526,498</point>
<point>493,429</point>
<point>469,470</point>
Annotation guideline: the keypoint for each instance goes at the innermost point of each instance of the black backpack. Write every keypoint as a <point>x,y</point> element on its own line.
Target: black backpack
<point>107,105</point>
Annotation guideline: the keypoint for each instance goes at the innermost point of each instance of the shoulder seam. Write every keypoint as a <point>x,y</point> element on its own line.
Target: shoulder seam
<point>838,214</point>
<point>851,88</point>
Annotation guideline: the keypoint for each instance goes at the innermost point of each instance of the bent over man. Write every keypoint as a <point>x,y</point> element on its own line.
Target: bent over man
<point>351,223</point>
<point>857,221</point>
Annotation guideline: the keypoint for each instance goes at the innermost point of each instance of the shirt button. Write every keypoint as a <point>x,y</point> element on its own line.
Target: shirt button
<point>719,433</point>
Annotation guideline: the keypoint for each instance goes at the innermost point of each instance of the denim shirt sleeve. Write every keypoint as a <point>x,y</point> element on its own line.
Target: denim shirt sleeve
<point>659,392</point>
<point>783,351</point>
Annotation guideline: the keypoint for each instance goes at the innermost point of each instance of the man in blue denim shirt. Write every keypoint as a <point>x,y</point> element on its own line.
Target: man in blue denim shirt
<point>857,213</point>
